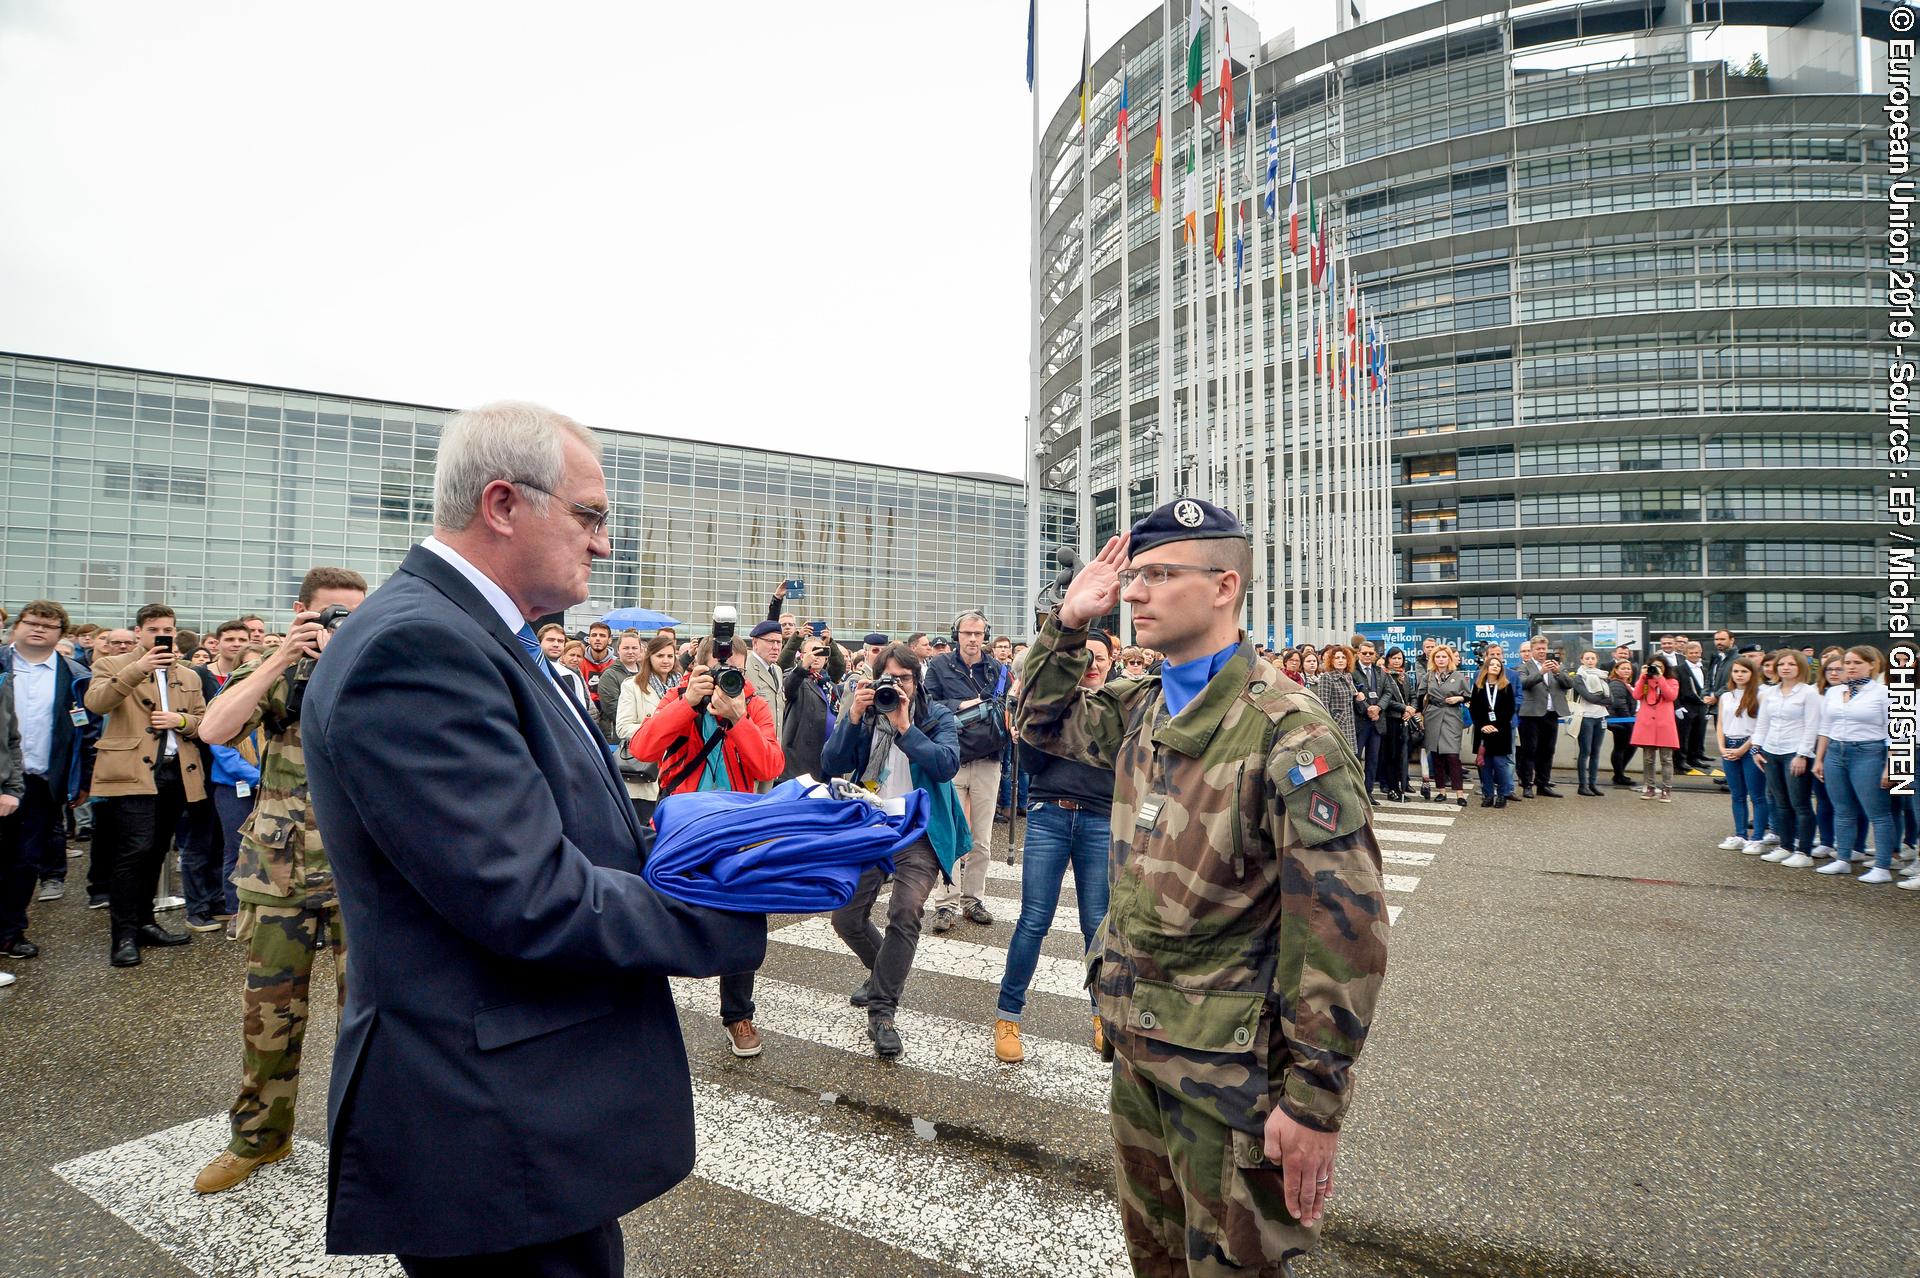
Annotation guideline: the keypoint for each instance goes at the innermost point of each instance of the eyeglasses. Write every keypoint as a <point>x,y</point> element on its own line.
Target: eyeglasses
<point>1157,574</point>
<point>592,518</point>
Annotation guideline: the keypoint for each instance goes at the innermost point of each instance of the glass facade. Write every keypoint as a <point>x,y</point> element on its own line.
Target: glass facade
<point>1624,286</point>
<point>122,487</point>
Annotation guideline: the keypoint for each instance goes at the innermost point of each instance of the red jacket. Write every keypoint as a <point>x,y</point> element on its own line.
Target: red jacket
<point>1653,724</point>
<point>591,670</point>
<point>671,735</point>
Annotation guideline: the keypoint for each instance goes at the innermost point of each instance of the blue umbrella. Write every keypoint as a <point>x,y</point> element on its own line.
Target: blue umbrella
<point>639,619</point>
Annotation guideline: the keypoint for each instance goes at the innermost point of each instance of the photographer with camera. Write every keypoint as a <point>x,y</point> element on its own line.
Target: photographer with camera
<point>1543,703</point>
<point>969,682</point>
<point>892,739</point>
<point>289,911</point>
<point>715,732</point>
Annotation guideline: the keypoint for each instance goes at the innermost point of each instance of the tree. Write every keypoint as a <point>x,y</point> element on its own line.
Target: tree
<point>1756,68</point>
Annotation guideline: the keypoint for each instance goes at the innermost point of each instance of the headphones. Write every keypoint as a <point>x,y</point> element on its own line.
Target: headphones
<point>954,634</point>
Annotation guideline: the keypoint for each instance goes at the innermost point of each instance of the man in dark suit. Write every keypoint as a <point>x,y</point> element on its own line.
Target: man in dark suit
<point>1369,725</point>
<point>509,1077</point>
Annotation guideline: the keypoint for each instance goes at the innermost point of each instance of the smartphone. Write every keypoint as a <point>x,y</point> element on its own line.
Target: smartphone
<point>817,628</point>
<point>163,641</point>
<point>796,588</point>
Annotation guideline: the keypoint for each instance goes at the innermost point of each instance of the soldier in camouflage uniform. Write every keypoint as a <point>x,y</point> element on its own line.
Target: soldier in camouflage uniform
<point>288,911</point>
<point>1246,932</point>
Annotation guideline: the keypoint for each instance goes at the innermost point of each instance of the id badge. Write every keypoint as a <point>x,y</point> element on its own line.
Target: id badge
<point>78,715</point>
<point>241,790</point>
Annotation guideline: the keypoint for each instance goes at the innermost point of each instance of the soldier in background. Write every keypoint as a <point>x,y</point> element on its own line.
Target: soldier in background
<point>1246,930</point>
<point>288,910</point>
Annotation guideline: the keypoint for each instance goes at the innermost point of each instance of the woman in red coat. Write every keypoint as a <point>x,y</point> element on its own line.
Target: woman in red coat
<point>1654,728</point>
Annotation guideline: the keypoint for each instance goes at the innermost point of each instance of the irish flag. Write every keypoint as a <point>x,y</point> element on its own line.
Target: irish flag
<point>1193,199</point>
<point>1197,51</point>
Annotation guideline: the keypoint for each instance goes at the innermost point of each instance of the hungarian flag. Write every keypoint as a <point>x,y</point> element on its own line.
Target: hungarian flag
<point>1120,126</point>
<point>1192,199</point>
<point>1316,244</point>
<point>1159,156</point>
<point>1293,201</point>
<point>1219,218</point>
<point>1197,50</point>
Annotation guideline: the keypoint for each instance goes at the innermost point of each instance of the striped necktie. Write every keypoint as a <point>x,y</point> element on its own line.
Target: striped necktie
<point>531,642</point>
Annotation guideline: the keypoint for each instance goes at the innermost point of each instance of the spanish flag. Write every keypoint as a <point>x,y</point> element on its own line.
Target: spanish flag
<point>1192,199</point>
<point>1219,218</point>
<point>1159,180</point>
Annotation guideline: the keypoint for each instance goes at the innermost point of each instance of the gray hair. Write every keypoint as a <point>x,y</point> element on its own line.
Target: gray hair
<point>509,439</point>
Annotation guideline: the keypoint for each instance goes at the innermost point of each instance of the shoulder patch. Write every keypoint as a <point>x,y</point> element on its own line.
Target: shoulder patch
<point>1319,779</point>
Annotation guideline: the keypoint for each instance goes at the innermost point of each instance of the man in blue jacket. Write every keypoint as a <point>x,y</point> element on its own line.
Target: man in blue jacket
<point>913,745</point>
<point>509,1077</point>
<point>56,737</point>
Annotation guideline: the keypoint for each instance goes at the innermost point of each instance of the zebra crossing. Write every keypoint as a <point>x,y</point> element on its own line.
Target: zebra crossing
<point>813,1161</point>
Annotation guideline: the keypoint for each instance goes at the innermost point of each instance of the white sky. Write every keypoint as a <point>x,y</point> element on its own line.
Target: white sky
<point>803,229</point>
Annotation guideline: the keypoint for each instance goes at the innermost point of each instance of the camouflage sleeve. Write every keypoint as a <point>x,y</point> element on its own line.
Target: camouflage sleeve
<point>273,704</point>
<point>1060,717</point>
<point>1333,930</point>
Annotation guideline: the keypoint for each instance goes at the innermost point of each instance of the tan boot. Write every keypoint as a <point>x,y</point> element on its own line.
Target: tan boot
<point>1099,1035</point>
<point>229,1169</point>
<point>1006,1042</point>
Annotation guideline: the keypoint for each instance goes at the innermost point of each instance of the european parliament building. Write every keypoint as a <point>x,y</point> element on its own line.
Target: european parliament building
<point>1631,291</point>
<point>122,487</point>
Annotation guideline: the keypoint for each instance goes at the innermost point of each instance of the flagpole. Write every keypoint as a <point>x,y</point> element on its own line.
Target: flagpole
<point>1123,489</point>
<point>1083,462</point>
<point>1196,356</point>
<point>1349,456</point>
<point>1034,492</point>
<point>1261,452</point>
<point>1311,379</point>
<point>1326,567</point>
<point>1163,469</point>
<point>1291,520</point>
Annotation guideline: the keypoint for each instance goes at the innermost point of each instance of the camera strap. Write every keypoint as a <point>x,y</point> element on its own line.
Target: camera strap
<point>698,761</point>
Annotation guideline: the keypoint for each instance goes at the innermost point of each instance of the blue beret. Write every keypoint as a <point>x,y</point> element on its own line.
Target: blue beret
<point>875,638</point>
<point>1184,519</point>
<point>764,629</point>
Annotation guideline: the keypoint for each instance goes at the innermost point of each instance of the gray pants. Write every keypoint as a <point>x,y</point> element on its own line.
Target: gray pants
<point>889,956</point>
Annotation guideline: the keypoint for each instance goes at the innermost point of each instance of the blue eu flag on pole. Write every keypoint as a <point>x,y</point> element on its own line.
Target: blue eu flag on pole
<point>1032,21</point>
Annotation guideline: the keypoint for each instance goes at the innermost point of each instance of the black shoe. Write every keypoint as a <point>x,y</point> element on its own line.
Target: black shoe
<point>126,953</point>
<point>944,919</point>
<point>1486,801</point>
<point>1500,802</point>
<point>98,901</point>
<point>1548,792</point>
<point>1623,783</point>
<point>862,996</point>
<point>154,934</point>
<point>886,1039</point>
<point>1526,792</point>
<point>977,912</point>
<point>1462,801</point>
<point>21,948</point>
<point>1426,792</point>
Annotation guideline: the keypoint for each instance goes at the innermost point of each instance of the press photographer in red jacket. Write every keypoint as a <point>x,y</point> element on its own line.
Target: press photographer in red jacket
<point>705,739</point>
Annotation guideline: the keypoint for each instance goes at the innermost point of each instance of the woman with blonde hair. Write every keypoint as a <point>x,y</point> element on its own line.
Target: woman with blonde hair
<point>1337,692</point>
<point>1492,715</point>
<point>1850,755</point>
<point>1787,731</point>
<point>1443,698</point>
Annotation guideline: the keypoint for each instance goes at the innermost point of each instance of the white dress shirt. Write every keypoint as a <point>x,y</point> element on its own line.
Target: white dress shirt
<point>160,680</point>
<point>1788,724</point>
<point>33,683</point>
<point>1860,718</point>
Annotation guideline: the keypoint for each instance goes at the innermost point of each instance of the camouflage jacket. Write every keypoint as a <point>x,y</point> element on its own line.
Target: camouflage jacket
<point>281,861</point>
<point>1246,930</point>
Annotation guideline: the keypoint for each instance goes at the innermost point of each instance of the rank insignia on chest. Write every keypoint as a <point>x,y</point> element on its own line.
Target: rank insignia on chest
<point>1323,812</point>
<point>1316,766</point>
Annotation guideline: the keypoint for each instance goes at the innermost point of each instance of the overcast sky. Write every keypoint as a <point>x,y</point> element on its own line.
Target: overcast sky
<point>803,227</point>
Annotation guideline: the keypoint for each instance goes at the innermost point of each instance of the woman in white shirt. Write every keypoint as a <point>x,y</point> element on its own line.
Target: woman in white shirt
<point>1851,757</point>
<point>1738,715</point>
<point>1786,732</point>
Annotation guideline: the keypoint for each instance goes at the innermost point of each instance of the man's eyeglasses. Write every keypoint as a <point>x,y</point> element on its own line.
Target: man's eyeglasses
<point>592,518</point>
<point>1157,574</point>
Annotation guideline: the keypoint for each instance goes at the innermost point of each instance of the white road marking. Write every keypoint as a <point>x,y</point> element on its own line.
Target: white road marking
<point>983,963</point>
<point>148,1183</point>
<point>1386,833</point>
<point>1399,882</point>
<point>1066,915</point>
<point>911,1194</point>
<point>1067,1073</point>
<point>1407,858</point>
<point>1393,914</point>
<point>1416,805</point>
<point>1409,818</point>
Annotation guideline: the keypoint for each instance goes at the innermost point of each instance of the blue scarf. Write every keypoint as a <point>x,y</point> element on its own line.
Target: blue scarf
<point>1181,683</point>
<point>1854,685</point>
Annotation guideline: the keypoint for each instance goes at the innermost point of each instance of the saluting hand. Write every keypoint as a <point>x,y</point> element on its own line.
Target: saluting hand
<point>1096,588</point>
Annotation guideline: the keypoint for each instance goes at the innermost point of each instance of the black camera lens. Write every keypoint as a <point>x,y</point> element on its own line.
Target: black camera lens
<point>730,681</point>
<point>886,695</point>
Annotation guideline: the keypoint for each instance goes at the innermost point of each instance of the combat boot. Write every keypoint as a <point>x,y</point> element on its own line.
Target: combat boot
<point>229,1169</point>
<point>1006,1042</point>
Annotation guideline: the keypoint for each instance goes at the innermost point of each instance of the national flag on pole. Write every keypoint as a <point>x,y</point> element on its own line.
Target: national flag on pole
<point>1033,30</point>
<point>1120,124</point>
<point>1316,346</point>
<point>1239,248</point>
<point>1316,243</point>
<point>1219,217</point>
<point>1159,157</point>
<point>1086,71</point>
<point>1372,377</point>
<point>1197,50</point>
<point>1293,201</point>
<point>1273,167</point>
<point>1192,198</point>
<point>1226,82</point>
<point>1353,299</point>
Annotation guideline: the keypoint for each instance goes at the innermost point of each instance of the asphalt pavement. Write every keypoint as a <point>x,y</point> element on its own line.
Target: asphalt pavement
<point>1604,1048</point>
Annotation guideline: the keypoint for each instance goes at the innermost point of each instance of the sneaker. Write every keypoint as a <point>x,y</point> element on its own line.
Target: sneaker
<point>21,948</point>
<point>977,913</point>
<point>1771,839</point>
<point>886,1039</point>
<point>1876,875</point>
<point>744,1039</point>
<point>52,890</point>
<point>229,1169</point>
<point>1832,867</point>
<point>202,923</point>
<point>8,978</point>
<point>862,996</point>
<point>1777,855</point>
<point>1821,852</point>
<point>1486,800</point>
<point>1100,1026</point>
<point>1646,792</point>
<point>1799,861</point>
<point>1718,774</point>
<point>98,900</point>
<point>1666,794</point>
<point>944,918</point>
<point>1006,1042</point>
<point>1732,843</point>
<point>1754,848</point>
<point>1910,885</point>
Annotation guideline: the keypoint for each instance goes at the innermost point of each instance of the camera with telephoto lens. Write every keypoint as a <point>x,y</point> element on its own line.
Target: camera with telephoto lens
<point>328,618</point>
<point>726,678</point>
<point>886,694</point>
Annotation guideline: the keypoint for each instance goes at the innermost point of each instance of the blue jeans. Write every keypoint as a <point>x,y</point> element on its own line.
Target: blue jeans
<point>1055,838</point>
<point>1854,769</point>
<point>1790,803</point>
<point>1496,776</point>
<point>1586,765</point>
<point>1906,815</point>
<point>1822,810</point>
<point>234,812</point>
<point>1747,785</point>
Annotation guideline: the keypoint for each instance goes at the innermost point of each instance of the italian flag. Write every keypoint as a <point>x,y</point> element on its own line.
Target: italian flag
<point>1193,199</point>
<point>1197,50</point>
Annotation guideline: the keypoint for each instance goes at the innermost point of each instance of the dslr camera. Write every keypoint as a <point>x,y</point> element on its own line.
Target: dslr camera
<point>329,618</point>
<point>886,694</point>
<point>727,679</point>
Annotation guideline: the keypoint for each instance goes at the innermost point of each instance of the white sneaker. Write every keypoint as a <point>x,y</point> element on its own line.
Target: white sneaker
<point>1732,843</point>
<point>1754,848</point>
<point>1851,858</point>
<point>1876,875</point>
<point>1835,867</point>
<point>1777,855</point>
<point>1798,861</point>
<point>1821,851</point>
<point>8,978</point>
<point>1771,839</point>
<point>1911,885</point>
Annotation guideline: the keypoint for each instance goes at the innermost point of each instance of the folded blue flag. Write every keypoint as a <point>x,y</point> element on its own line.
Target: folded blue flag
<point>795,850</point>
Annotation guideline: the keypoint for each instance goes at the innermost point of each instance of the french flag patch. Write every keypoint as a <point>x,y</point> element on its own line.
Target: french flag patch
<point>1308,771</point>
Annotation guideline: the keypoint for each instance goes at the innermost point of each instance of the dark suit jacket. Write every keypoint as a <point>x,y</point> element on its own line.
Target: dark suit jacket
<point>1500,716</point>
<point>509,1069</point>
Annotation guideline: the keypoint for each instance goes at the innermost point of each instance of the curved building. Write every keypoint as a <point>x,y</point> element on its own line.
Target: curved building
<point>1632,293</point>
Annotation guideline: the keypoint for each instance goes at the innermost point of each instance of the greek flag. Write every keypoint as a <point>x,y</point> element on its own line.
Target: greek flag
<point>1273,167</point>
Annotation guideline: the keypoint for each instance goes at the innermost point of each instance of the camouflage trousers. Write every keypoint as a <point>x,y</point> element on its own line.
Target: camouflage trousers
<point>282,943</point>
<point>1197,1199</point>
